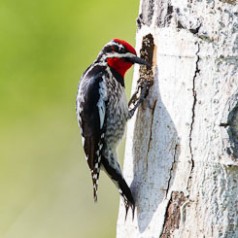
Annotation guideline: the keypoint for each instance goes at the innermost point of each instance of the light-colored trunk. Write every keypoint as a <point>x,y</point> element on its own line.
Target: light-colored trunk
<point>182,145</point>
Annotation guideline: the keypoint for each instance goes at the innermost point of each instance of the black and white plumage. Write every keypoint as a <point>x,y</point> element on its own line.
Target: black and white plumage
<point>102,112</point>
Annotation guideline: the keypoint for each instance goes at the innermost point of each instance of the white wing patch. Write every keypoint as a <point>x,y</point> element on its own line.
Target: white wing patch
<point>101,102</point>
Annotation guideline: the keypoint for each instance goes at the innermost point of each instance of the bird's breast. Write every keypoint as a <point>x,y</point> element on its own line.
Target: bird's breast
<point>117,112</point>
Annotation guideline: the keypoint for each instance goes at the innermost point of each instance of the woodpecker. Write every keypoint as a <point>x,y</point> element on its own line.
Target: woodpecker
<point>102,113</point>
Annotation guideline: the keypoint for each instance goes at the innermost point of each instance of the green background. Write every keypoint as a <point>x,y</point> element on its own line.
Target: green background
<point>45,185</point>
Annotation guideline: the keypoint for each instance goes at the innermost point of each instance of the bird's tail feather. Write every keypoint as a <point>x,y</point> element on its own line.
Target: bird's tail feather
<point>115,173</point>
<point>95,178</point>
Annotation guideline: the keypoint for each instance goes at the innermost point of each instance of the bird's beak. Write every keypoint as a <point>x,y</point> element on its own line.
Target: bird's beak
<point>139,60</point>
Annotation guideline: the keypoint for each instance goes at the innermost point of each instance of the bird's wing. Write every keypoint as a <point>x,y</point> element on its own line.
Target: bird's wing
<point>92,104</point>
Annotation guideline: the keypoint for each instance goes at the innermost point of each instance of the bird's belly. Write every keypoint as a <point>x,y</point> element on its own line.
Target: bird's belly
<point>115,130</point>
<point>116,121</point>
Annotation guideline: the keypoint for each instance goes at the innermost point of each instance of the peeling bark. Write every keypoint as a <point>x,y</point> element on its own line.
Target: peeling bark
<point>182,145</point>
<point>173,216</point>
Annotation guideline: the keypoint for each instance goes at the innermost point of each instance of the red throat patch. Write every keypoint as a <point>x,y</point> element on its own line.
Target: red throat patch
<point>119,64</point>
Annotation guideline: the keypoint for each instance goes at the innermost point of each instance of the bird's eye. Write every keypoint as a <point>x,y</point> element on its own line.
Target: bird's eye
<point>122,50</point>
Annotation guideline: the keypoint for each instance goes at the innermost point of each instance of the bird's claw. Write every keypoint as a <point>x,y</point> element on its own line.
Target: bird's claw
<point>143,89</point>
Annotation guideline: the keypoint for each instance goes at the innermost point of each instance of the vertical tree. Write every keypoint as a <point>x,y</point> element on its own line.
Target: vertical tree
<point>182,144</point>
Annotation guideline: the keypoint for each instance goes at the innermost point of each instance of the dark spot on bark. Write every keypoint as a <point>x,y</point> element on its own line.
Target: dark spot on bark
<point>195,30</point>
<point>228,150</point>
<point>192,30</point>
<point>170,11</point>
<point>145,18</point>
<point>224,124</point>
<point>179,25</point>
<point>139,21</point>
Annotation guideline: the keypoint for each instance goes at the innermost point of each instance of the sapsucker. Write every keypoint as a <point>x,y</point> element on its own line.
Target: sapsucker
<point>102,112</point>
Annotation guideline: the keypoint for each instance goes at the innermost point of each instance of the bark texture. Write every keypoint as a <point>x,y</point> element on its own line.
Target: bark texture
<point>182,145</point>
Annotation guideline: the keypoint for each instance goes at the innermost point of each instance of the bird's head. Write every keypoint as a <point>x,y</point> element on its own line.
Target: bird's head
<point>120,56</point>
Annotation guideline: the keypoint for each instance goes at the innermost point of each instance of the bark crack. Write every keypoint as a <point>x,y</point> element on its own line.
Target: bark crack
<point>171,169</point>
<point>151,130</point>
<point>197,70</point>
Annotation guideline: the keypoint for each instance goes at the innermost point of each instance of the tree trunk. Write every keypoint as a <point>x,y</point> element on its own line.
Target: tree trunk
<point>182,145</point>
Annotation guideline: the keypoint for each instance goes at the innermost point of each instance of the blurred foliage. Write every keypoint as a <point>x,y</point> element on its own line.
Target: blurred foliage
<point>45,185</point>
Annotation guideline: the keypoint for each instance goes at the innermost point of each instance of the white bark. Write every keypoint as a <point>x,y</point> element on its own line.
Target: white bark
<point>182,145</point>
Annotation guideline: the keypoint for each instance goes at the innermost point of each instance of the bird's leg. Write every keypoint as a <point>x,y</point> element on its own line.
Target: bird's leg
<point>143,89</point>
